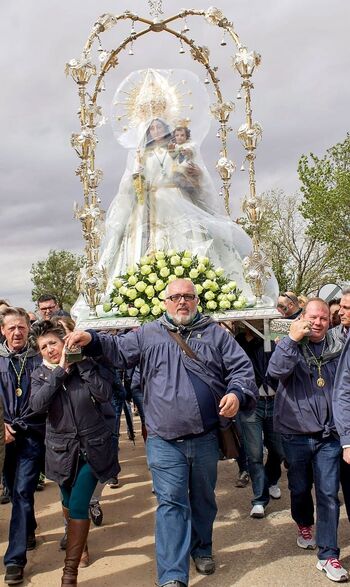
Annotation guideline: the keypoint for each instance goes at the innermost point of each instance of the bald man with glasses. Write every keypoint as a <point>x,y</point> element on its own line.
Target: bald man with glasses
<point>184,397</point>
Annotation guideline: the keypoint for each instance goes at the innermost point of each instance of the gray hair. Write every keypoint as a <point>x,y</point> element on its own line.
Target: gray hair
<point>14,311</point>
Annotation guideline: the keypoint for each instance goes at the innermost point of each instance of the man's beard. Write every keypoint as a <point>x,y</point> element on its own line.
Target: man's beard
<point>183,320</point>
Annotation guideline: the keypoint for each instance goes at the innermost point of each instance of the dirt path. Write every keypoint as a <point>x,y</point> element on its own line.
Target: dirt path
<point>254,553</point>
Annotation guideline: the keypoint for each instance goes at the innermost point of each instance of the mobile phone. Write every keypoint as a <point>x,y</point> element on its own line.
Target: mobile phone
<point>74,355</point>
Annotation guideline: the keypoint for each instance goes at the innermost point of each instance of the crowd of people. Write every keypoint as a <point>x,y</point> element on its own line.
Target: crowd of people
<point>62,392</point>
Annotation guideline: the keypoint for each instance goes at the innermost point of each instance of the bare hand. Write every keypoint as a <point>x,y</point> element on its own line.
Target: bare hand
<point>346,455</point>
<point>299,329</point>
<point>229,405</point>
<point>9,433</point>
<point>77,338</point>
<point>63,361</point>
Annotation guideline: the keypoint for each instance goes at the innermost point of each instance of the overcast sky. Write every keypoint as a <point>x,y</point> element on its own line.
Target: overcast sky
<point>301,98</point>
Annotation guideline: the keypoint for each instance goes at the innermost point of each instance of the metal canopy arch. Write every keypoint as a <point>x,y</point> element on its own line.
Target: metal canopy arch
<point>89,78</point>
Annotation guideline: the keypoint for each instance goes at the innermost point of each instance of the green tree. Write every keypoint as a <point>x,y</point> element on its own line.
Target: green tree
<point>299,261</point>
<point>326,204</point>
<point>57,274</point>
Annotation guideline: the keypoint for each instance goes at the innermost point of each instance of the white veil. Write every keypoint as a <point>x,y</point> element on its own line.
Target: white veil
<point>158,204</point>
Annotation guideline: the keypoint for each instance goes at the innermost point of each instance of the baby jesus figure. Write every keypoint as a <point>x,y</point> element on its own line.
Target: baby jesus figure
<point>182,150</point>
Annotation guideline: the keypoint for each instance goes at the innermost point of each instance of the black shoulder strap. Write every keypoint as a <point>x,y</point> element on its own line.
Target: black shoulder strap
<point>183,345</point>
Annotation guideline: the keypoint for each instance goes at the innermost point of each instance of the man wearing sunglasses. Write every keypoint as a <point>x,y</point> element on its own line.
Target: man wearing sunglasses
<point>182,417</point>
<point>288,305</point>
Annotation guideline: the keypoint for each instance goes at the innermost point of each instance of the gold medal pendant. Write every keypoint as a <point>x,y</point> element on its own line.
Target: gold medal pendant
<point>320,382</point>
<point>19,392</point>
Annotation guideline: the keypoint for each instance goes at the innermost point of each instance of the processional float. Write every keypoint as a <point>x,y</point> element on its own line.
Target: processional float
<point>89,73</point>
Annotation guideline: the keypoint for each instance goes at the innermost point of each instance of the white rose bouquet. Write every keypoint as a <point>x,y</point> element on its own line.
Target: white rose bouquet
<point>141,291</point>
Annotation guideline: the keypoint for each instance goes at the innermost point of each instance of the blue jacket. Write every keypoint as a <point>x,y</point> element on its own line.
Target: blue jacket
<point>170,403</point>
<point>17,410</point>
<point>341,396</point>
<point>301,407</point>
<point>79,418</point>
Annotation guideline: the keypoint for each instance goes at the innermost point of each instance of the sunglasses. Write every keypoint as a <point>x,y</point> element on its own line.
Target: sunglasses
<point>288,297</point>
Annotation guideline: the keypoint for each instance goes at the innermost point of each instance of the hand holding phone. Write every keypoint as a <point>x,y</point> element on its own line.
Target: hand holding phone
<point>73,354</point>
<point>300,329</point>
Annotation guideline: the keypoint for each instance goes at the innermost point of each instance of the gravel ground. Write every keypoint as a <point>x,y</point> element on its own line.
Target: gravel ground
<point>249,553</point>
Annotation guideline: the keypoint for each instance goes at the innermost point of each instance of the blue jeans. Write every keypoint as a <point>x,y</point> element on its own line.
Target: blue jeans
<point>137,398</point>
<point>312,459</point>
<point>257,430</point>
<point>184,477</point>
<point>242,459</point>
<point>22,466</point>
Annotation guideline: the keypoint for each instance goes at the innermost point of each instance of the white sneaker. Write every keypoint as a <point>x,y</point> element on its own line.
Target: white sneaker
<point>257,511</point>
<point>333,569</point>
<point>274,492</point>
<point>305,538</point>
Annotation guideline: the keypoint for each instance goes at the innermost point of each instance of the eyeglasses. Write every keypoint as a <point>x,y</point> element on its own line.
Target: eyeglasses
<point>47,308</point>
<point>177,297</point>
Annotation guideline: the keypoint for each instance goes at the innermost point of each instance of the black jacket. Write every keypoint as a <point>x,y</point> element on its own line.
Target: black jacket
<point>80,419</point>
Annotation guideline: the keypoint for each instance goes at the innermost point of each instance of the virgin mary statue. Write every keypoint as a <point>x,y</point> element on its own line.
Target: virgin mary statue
<point>166,198</point>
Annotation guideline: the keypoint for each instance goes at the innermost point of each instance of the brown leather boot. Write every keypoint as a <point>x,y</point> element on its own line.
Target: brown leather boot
<point>85,559</point>
<point>77,536</point>
<point>63,541</point>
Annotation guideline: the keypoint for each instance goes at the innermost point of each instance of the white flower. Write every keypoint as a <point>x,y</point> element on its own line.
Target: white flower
<point>225,305</point>
<point>145,260</point>
<point>132,280</point>
<point>175,260</point>
<point>152,278</point>
<point>138,302</point>
<point>159,285</point>
<point>207,284</point>
<point>149,291</point>
<point>118,283</point>
<point>132,294</point>
<point>164,272</point>
<point>146,269</point>
<point>117,300</point>
<point>140,286</point>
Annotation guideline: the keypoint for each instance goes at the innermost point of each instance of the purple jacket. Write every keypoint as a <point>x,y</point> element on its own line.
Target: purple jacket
<point>301,407</point>
<point>170,403</point>
<point>341,397</point>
